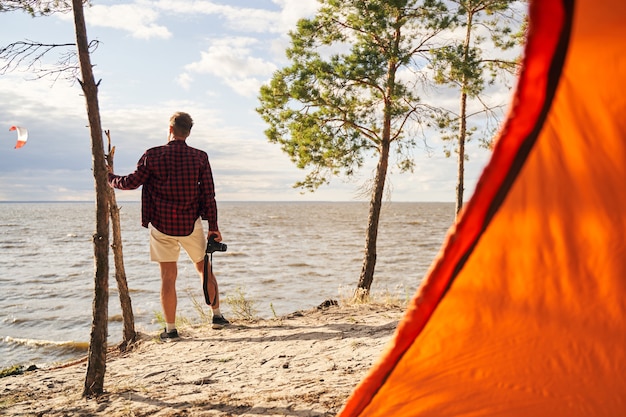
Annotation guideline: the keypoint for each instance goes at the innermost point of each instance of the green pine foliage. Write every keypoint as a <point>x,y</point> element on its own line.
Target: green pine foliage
<point>341,97</point>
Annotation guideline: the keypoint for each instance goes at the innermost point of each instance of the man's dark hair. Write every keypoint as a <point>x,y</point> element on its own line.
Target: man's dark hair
<point>181,124</point>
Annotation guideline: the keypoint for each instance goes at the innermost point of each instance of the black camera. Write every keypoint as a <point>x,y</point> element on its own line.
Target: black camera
<point>213,246</point>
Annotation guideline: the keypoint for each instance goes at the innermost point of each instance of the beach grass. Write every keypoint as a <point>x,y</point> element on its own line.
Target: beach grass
<point>397,297</point>
<point>11,370</point>
<point>243,308</point>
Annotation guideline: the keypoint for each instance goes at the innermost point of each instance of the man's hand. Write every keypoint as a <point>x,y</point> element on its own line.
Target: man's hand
<point>218,237</point>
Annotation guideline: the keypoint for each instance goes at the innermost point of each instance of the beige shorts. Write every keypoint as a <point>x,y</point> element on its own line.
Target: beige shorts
<point>165,248</point>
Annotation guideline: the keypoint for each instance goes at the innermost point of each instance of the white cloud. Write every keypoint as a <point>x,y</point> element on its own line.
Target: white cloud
<point>247,87</point>
<point>232,60</point>
<point>184,80</point>
<point>231,57</point>
<point>139,19</point>
<point>246,19</point>
<point>293,10</point>
<point>235,60</point>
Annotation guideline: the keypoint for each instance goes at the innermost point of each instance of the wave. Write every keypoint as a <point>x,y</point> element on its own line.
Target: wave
<point>299,265</point>
<point>12,244</point>
<point>235,254</point>
<point>116,318</point>
<point>68,346</point>
<point>14,320</point>
<point>113,289</point>
<point>48,275</point>
<point>82,263</point>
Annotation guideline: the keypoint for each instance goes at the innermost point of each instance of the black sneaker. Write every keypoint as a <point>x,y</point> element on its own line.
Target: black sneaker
<point>169,336</point>
<point>219,322</point>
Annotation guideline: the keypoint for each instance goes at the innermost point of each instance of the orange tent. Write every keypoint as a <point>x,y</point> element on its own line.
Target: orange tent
<point>523,313</point>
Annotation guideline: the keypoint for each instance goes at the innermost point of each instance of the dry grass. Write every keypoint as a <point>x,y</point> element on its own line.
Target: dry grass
<point>399,297</point>
<point>241,307</point>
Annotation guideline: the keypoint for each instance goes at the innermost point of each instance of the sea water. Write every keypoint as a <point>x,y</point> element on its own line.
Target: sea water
<point>282,257</point>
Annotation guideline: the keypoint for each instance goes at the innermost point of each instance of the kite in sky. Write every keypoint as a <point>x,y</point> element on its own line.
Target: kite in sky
<point>22,136</point>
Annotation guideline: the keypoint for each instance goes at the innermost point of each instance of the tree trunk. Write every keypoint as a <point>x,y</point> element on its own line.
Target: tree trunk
<point>128,317</point>
<point>96,367</point>
<point>376,202</point>
<point>460,186</point>
<point>129,333</point>
<point>369,261</point>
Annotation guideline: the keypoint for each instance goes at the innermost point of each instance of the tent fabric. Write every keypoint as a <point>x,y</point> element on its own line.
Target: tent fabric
<point>523,311</point>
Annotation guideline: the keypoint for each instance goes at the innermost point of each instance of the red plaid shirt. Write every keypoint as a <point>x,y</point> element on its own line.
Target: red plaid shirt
<point>177,188</point>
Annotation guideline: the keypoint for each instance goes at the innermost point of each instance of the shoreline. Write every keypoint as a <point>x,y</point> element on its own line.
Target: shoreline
<point>303,364</point>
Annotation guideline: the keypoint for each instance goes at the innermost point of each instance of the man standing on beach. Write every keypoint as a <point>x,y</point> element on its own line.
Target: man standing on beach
<point>178,193</point>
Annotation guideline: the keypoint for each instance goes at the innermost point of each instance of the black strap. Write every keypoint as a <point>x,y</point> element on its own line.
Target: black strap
<point>205,278</point>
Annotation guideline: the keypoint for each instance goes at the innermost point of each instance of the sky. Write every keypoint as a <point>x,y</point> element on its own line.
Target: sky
<point>207,58</point>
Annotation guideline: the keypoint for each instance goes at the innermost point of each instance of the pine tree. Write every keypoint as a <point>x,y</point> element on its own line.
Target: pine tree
<point>465,63</point>
<point>342,99</point>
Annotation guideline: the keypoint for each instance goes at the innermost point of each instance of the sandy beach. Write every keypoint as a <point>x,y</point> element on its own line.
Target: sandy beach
<point>303,364</point>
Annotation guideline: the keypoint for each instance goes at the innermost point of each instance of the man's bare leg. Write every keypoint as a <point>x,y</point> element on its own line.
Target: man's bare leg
<point>169,272</point>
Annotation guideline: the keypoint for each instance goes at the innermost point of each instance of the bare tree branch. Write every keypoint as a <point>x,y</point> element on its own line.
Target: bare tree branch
<point>37,7</point>
<point>30,55</point>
